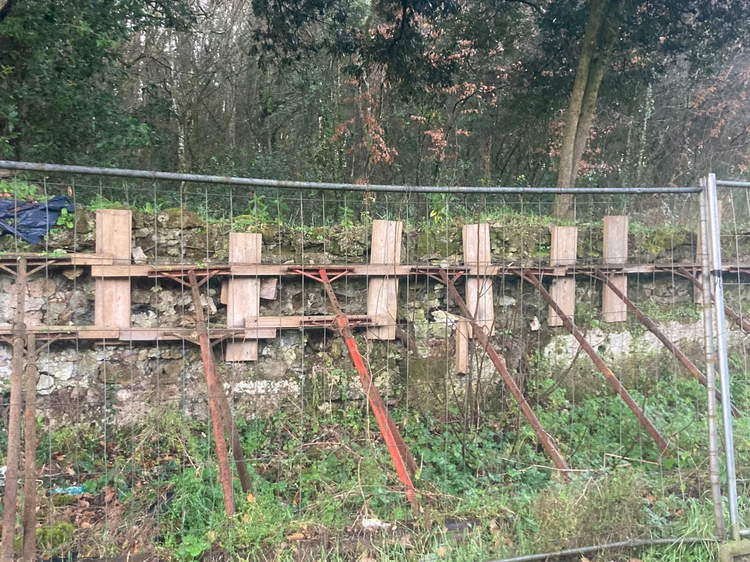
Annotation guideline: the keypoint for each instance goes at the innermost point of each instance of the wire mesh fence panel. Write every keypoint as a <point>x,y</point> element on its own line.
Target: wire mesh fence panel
<point>526,437</point>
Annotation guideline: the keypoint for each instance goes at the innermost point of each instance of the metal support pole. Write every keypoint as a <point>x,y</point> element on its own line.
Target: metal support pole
<point>714,471</point>
<point>722,351</point>
<point>10,500</point>
<point>214,390</point>
<point>652,327</point>
<point>481,335</point>
<point>402,459</point>
<point>31,375</point>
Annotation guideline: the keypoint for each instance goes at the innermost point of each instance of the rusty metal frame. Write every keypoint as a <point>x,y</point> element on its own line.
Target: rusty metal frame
<point>741,322</point>
<point>479,333</point>
<point>611,378</point>
<point>652,327</point>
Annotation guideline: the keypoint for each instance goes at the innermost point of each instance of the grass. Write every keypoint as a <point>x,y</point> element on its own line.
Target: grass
<point>318,476</point>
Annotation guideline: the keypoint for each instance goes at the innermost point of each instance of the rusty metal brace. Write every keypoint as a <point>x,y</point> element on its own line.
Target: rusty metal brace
<point>661,336</point>
<point>546,440</point>
<point>401,457</point>
<point>214,401</point>
<point>612,379</point>
<point>741,322</point>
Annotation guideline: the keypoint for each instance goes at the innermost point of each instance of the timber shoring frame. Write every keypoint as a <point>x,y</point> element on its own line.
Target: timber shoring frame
<point>101,266</point>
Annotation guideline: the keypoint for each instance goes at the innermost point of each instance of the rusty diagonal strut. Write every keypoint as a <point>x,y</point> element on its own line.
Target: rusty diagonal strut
<point>498,361</point>
<point>214,401</point>
<point>614,382</point>
<point>661,336</point>
<point>401,457</point>
<point>743,323</point>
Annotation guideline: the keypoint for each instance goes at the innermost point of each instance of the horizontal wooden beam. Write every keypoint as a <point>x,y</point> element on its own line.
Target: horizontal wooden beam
<point>365,270</point>
<point>262,327</point>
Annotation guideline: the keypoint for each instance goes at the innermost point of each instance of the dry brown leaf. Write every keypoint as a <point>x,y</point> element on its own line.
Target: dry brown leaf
<point>295,537</point>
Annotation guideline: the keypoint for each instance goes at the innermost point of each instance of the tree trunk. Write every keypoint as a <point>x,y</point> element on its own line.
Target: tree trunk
<point>589,48</point>
<point>597,70</point>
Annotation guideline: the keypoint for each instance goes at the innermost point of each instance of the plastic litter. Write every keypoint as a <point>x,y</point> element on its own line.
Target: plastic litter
<point>70,490</point>
<point>30,220</point>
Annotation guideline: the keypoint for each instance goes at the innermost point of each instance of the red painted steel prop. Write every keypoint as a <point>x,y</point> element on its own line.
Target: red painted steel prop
<point>400,454</point>
<point>214,390</point>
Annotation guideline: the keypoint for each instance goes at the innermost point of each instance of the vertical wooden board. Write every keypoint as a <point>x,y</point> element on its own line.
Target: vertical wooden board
<point>112,296</point>
<point>243,295</point>
<point>382,292</point>
<point>479,290</point>
<point>461,359</point>
<point>615,252</point>
<point>563,251</point>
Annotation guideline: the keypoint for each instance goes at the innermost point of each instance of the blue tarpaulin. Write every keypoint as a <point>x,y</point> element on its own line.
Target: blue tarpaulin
<point>29,220</point>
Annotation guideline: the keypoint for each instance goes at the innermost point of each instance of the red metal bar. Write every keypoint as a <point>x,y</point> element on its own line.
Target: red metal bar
<point>601,365</point>
<point>31,375</point>
<point>401,457</point>
<point>499,362</point>
<point>212,382</point>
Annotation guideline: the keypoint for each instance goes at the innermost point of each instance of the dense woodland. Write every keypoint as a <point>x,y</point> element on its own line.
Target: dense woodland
<point>537,92</point>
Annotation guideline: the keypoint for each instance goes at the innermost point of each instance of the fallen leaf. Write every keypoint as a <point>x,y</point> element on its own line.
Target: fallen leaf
<point>295,537</point>
<point>250,497</point>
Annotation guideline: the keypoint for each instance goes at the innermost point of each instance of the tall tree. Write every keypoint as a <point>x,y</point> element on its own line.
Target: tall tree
<point>642,40</point>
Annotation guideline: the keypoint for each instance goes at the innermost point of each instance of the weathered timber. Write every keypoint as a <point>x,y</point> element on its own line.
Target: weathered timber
<point>479,288</point>
<point>563,252</point>
<point>112,296</point>
<point>243,299</point>
<point>615,252</point>
<point>382,292</point>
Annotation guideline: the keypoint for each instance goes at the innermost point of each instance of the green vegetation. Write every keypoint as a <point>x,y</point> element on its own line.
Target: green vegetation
<point>319,474</point>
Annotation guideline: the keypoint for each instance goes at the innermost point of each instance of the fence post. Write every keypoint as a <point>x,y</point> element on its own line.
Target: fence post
<point>714,470</point>
<point>716,286</point>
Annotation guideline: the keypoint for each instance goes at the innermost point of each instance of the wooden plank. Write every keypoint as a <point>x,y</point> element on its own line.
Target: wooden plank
<point>615,251</point>
<point>268,288</point>
<point>461,359</point>
<point>479,290</point>
<point>382,292</point>
<point>112,296</point>
<point>563,253</point>
<point>243,295</point>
